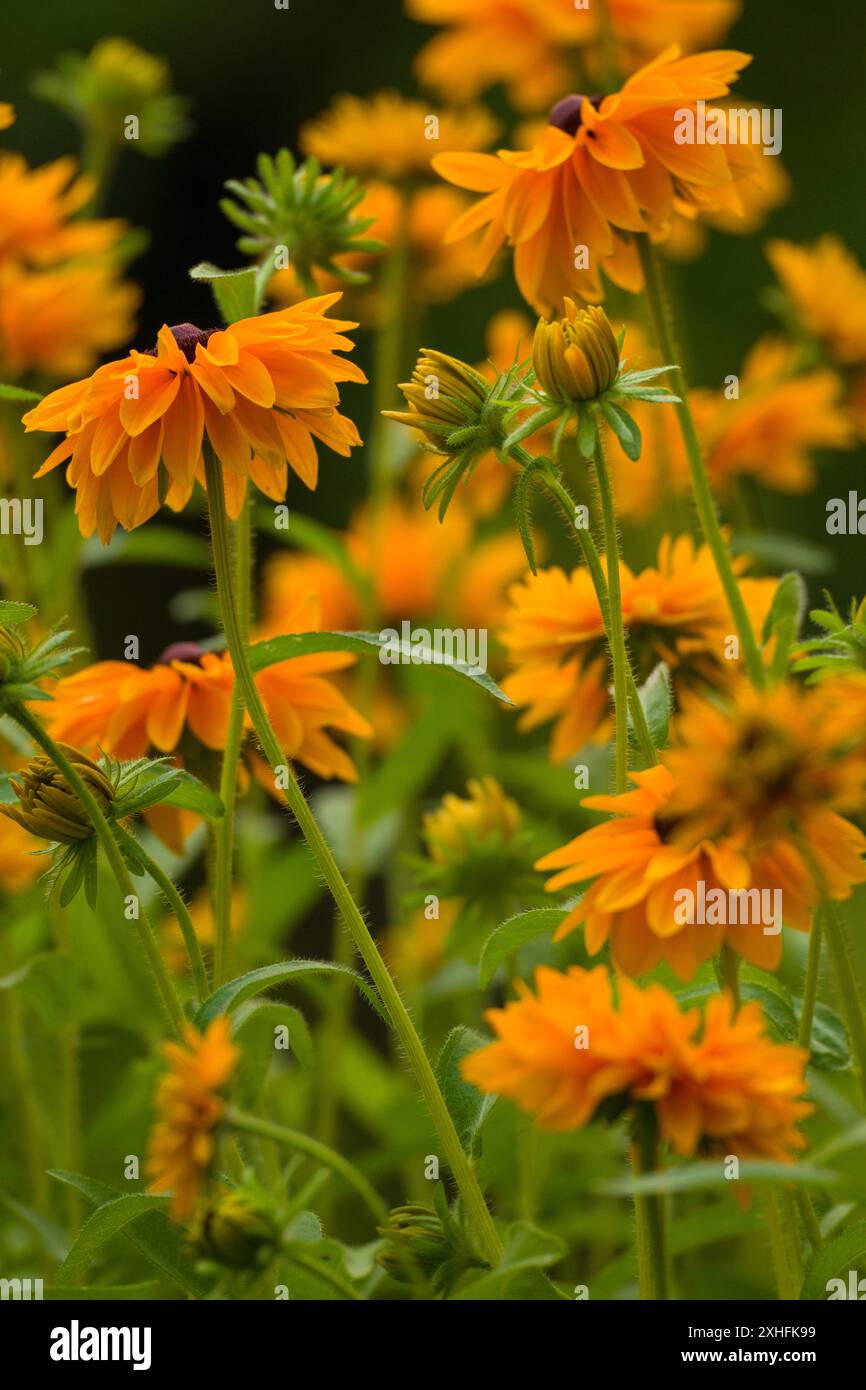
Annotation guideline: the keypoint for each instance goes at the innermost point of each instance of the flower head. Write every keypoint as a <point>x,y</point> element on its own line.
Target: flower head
<point>258,393</point>
<point>674,611</point>
<point>717,1084</point>
<point>100,90</point>
<point>49,807</point>
<point>575,358</point>
<point>234,1228</point>
<point>189,1107</point>
<point>38,207</point>
<point>389,137</point>
<point>826,288</point>
<point>59,321</point>
<point>601,170</point>
<point>7,115</point>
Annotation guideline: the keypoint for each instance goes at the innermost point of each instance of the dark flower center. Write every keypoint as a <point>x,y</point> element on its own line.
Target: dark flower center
<point>567,114</point>
<point>187,337</point>
<point>190,652</point>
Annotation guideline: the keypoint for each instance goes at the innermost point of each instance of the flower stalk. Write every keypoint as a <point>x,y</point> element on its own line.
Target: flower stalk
<point>479,1217</point>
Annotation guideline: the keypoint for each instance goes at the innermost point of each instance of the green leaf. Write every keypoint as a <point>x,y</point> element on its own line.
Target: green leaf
<point>192,795</point>
<point>17,393</point>
<point>235,291</point>
<point>106,1293</point>
<point>624,428</point>
<point>777,550</point>
<point>468,1106</point>
<point>587,433</point>
<point>527,1250</point>
<point>699,1177</point>
<point>276,649</point>
<point>104,1223</point>
<point>784,619</point>
<point>829,1050</point>
<point>657,699</point>
<point>835,1260</point>
<point>254,1036</point>
<point>534,421</point>
<point>12,612</point>
<point>234,992</point>
<point>159,1240</point>
<point>510,935</point>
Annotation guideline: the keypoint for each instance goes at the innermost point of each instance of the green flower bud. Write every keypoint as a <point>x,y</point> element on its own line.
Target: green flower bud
<point>234,1229</point>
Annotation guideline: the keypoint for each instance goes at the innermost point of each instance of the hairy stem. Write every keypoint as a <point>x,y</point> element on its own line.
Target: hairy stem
<point>179,908</point>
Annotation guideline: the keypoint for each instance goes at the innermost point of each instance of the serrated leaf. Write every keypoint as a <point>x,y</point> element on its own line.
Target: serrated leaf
<point>468,1106</point>
<point>12,612</point>
<point>277,649</point>
<point>234,992</point>
<point>104,1223</point>
<point>510,935</point>
<point>159,1240</point>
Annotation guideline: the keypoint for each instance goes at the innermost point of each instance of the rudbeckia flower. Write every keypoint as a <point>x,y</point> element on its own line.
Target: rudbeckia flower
<point>718,1085</point>
<point>525,43</point>
<point>7,115</point>
<point>37,208</point>
<point>826,286</point>
<point>602,169</point>
<point>189,1107</point>
<point>752,795</point>
<point>260,391</point>
<point>60,321</point>
<point>554,635</point>
<point>129,711</point>
<point>389,137</point>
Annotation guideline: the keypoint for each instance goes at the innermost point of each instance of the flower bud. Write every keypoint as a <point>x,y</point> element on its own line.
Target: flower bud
<point>413,1236</point>
<point>445,395</point>
<point>47,804</point>
<point>576,358</point>
<point>234,1229</point>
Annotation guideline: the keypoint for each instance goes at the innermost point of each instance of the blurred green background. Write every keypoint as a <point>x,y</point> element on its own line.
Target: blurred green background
<point>254,74</point>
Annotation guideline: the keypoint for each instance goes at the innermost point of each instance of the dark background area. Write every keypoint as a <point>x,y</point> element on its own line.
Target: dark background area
<point>254,74</point>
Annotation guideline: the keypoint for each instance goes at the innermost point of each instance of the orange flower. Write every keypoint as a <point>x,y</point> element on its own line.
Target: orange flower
<point>36,211</point>
<point>554,636</point>
<point>7,115</point>
<point>389,137</point>
<point>601,170</point>
<point>19,864</point>
<point>827,288</point>
<point>525,43</point>
<point>59,321</point>
<point>752,795</point>
<point>189,1107</point>
<point>260,390</point>
<point>717,1085</point>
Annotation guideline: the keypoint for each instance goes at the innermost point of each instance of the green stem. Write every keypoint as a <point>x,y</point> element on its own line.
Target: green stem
<point>728,970</point>
<point>388,351</point>
<point>852,1008</point>
<point>650,1214</point>
<point>785,1263</point>
<point>697,465</point>
<point>810,988</point>
<point>464,1174</point>
<point>808,1217</point>
<point>593,564</point>
<point>181,912</point>
<point>224,833</point>
<point>313,1148</point>
<point>71,1074</point>
<point>22,715</point>
<point>619,658</point>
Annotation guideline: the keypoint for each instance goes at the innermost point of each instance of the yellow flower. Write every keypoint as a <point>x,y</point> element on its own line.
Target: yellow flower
<point>49,807</point>
<point>60,321</point>
<point>674,611</point>
<point>189,1107</point>
<point>576,357</point>
<point>717,1085</point>
<point>459,822</point>
<point>389,137</point>
<point>7,115</point>
<point>259,391</point>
